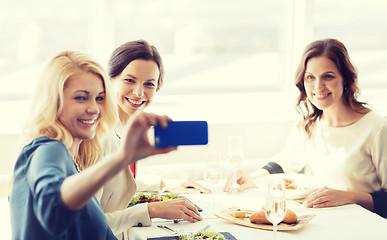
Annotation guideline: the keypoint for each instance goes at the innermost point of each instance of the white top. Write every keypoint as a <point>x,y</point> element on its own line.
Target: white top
<point>117,193</point>
<point>346,158</point>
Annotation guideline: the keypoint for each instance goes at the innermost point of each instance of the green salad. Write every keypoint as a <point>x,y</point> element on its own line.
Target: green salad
<point>143,198</point>
<point>205,235</point>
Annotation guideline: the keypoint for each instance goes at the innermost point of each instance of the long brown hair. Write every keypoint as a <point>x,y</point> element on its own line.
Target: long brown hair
<point>336,52</point>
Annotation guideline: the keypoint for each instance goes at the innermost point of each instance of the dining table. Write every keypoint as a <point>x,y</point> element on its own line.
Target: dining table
<point>341,222</point>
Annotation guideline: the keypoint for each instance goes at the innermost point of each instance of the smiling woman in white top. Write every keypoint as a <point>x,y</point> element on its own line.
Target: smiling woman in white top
<point>339,138</point>
<point>136,71</point>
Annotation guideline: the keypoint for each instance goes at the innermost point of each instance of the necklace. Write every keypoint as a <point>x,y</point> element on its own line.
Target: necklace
<point>76,164</point>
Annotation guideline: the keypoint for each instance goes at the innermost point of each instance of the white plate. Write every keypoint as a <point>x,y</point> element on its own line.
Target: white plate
<point>305,185</point>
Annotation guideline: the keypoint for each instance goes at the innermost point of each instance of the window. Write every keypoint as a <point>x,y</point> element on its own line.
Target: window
<point>32,32</point>
<point>361,26</point>
<point>207,46</point>
<point>235,57</point>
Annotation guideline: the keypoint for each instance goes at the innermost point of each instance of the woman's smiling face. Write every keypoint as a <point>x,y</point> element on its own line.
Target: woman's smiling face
<point>83,98</point>
<point>136,85</point>
<point>323,83</point>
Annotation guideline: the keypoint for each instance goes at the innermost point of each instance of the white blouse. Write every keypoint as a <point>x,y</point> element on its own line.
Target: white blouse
<point>117,193</point>
<point>346,158</point>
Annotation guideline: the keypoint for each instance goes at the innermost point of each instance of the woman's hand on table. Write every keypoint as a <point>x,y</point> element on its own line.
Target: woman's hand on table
<point>179,208</point>
<point>327,197</point>
<point>244,180</point>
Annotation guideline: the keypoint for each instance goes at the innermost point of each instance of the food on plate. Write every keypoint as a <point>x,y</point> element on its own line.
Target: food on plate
<point>290,184</point>
<point>239,213</point>
<point>207,235</point>
<point>290,217</point>
<point>260,217</point>
<point>143,198</point>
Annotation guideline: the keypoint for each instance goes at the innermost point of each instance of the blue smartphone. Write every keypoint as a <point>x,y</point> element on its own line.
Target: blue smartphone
<point>181,133</point>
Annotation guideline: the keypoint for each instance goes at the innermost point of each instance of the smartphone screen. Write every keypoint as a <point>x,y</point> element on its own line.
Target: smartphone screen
<point>181,133</point>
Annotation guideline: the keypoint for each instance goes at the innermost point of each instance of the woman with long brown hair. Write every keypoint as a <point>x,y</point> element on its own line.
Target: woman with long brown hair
<point>339,138</point>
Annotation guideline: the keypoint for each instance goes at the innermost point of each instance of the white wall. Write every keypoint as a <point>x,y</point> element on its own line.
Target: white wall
<point>262,139</point>
<point>10,148</point>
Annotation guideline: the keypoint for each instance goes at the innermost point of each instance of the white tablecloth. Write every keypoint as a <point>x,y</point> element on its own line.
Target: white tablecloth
<point>343,222</point>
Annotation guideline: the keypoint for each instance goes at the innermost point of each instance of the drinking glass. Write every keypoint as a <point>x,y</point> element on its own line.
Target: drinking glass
<point>213,171</point>
<point>275,207</point>
<point>235,156</point>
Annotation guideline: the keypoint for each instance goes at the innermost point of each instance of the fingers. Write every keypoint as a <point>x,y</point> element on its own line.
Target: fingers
<point>154,119</point>
<point>179,208</point>
<point>228,185</point>
<point>242,179</point>
<point>187,210</point>
<point>245,186</point>
<point>318,199</point>
<point>191,212</point>
<point>163,121</point>
<point>150,119</point>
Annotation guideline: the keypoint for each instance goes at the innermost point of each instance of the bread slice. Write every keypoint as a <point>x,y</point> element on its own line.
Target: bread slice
<point>260,217</point>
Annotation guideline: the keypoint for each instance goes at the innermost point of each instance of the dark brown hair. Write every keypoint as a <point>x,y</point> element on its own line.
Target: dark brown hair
<point>131,51</point>
<point>337,53</point>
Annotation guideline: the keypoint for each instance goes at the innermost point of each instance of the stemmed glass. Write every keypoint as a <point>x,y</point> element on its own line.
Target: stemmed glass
<point>275,207</point>
<point>235,156</point>
<point>213,171</point>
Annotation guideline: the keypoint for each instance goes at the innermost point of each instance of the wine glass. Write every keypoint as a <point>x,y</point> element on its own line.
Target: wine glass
<point>213,171</point>
<point>235,156</point>
<point>275,207</point>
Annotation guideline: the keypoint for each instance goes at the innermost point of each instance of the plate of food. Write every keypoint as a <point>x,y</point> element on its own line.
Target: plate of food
<point>298,186</point>
<point>147,197</point>
<point>257,219</point>
<point>205,235</point>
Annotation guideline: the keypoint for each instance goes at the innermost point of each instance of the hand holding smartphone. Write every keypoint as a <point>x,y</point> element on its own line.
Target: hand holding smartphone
<point>181,133</point>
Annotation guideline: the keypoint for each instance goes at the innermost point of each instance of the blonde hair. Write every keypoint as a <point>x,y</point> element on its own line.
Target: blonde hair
<point>47,105</point>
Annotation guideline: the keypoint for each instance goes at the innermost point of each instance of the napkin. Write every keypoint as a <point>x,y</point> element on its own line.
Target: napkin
<point>187,187</point>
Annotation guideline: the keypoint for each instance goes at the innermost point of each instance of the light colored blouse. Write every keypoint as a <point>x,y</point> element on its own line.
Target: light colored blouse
<point>346,158</point>
<point>117,193</point>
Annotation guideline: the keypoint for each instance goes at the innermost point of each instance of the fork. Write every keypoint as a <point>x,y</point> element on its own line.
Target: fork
<point>178,232</point>
<point>181,231</point>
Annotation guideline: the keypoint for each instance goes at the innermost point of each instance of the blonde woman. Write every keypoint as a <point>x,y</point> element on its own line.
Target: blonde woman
<point>56,174</point>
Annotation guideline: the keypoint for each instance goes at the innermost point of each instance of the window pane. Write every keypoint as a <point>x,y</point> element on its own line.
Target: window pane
<point>211,45</point>
<point>32,32</point>
<point>361,26</point>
